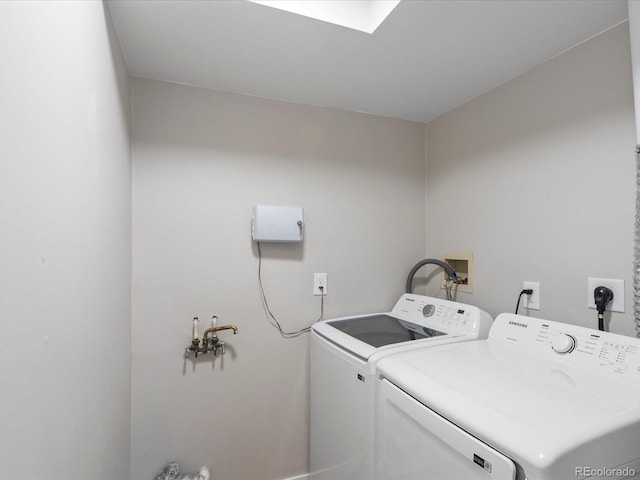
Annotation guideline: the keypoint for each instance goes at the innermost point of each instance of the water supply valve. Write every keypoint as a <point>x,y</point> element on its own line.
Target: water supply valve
<point>210,341</point>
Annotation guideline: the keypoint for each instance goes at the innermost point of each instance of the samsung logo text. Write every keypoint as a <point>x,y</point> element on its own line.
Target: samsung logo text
<point>518,324</point>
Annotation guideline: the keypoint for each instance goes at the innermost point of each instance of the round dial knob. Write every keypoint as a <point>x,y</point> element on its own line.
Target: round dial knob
<point>428,310</point>
<point>563,343</point>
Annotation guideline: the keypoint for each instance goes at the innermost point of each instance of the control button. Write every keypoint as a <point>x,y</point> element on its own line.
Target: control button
<point>563,343</point>
<point>428,310</point>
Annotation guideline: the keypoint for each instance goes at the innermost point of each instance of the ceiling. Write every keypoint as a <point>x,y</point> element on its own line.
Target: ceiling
<point>426,58</point>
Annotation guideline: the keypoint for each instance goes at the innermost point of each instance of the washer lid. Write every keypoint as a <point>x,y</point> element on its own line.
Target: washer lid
<point>366,335</point>
<point>382,329</point>
<point>548,416</point>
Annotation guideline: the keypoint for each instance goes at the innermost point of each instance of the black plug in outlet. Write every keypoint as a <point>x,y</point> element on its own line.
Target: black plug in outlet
<point>602,296</point>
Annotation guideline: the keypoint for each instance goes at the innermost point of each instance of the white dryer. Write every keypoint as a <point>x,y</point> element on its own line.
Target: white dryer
<point>344,352</point>
<point>537,400</point>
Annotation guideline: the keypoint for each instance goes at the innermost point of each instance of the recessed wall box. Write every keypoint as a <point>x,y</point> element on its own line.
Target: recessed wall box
<point>462,263</point>
<point>277,224</point>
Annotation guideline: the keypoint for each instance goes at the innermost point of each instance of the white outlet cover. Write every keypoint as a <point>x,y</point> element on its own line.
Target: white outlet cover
<point>320,279</point>
<point>532,302</point>
<point>616,286</point>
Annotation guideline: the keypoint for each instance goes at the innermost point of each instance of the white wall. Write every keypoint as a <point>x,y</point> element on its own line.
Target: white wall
<point>65,268</point>
<point>537,179</point>
<point>520,177</point>
<point>202,160</point>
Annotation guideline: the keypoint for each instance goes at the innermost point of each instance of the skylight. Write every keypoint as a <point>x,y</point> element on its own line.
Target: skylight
<point>362,15</point>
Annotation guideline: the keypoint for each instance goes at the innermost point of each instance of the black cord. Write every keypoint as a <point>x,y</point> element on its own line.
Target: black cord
<point>602,296</point>
<point>527,291</point>
<point>272,318</point>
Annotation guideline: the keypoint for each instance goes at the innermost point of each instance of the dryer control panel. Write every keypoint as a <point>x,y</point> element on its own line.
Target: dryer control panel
<point>606,352</point>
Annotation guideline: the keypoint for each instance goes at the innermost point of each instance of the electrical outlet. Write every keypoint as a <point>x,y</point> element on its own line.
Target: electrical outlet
<point>616,286</point>
<point>532,302</point>
<point>319,280</point>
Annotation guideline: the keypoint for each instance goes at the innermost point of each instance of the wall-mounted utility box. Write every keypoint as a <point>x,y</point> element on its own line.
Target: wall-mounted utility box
<point>462,263</point>
<point>277,224</point>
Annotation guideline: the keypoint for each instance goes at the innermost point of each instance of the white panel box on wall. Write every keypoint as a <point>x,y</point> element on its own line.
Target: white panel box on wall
<point>277,224</point>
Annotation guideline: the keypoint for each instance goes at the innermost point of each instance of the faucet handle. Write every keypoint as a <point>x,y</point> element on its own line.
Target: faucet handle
<point>186,352</point>
<point>218,345</point>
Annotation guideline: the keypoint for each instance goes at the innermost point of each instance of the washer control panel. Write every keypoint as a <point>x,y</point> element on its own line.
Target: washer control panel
<point>606,352</point>
<point>442,314</point>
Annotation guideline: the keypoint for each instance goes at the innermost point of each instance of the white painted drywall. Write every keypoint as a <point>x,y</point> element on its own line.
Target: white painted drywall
<point>634,40</point>
<point>537,179</point>
<point>65,250</point>
<point>202,159</point>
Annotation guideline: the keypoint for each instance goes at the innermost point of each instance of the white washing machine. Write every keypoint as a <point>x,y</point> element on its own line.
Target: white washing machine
<point>344,353</point>
<point>537,400</point>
